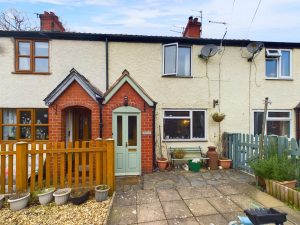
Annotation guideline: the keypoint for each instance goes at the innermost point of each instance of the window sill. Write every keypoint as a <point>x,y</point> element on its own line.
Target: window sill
<point>281,79</point>
<point>30,73</point>
<point>177,76</point>
<point>185,140</point>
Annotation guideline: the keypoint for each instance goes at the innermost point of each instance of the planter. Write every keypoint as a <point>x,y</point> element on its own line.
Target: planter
<point>261,181</point>
<point>213,158</point>
<point>290,184</point>
<point>1,201</point>
<point>18,201</point>
<point>61,196</point>
<point>162,163</point>
<point>46,196</point>
<point>218,117</point>
<point>79,196</point>
<point>101,192</point>
<point>195,167</point>
<point>225,163</point>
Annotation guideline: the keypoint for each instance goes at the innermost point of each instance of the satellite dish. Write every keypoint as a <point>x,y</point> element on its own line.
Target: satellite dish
<point>255,47</point>
<point>208,51</point>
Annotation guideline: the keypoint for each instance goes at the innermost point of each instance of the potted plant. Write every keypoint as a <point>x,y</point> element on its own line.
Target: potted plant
<point>223,161</point>
<point>61,196</point>
<point>101,192</point>
<point>45,195</point>
<point>218,117</point>
<point>1,201</point>
<point>79,196</point>
<point>18,201</point>
<point>162,162</point>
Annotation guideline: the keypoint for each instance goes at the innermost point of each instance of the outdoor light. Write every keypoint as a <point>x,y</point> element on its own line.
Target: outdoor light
<point>125,101</point>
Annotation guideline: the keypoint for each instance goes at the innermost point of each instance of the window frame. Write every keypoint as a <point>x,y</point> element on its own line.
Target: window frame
<point>18,124</point>
<point>190,117</point>
<point>290,119</point>
<point>32,56</point>
<point>279,64</point>
<point>177,62</point>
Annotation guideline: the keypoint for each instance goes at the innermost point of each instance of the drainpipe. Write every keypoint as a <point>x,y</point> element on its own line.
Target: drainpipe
<point>106,62</point>
<point>100,100</point>
<point>153,136</point>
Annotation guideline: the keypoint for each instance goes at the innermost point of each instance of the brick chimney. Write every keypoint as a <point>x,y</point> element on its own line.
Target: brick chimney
<point>50,22</point>
<point>193,28</point>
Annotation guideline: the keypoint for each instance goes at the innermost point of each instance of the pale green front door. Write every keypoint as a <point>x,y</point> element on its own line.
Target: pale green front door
<point>127,136</point>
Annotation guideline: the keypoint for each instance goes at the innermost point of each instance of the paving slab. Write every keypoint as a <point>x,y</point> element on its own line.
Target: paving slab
<point>227,189</point>
<point>293,216</point>
<point>216,219</point>
<point>125,198</point>
<point>265,199</point>
<point>244,201</point>
<point>146,196</point>
<point>150,212</point>
<point>184,221</point>
<point>162,222</point>
<point>176,209</point>
<point>168,195</point>
<point>223,204</point>
<point>200,207</point>
<point>198,192</point>
<point>123,215</point>
<point>233,216</point>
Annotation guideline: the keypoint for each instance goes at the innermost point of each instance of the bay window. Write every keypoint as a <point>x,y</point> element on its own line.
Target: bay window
<point>23,124</point>
<point>184,124</point>
<point>278,122</point>
<point>176,60</point>
<point>278,64</point>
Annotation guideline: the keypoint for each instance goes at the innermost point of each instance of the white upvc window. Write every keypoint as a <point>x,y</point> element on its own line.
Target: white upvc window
<point>278,122</point>
<point>278,63</point>
<point>184,125</point>
<point>176,60</point>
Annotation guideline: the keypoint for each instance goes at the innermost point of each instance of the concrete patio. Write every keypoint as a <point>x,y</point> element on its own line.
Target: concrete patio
<point>183,197</point>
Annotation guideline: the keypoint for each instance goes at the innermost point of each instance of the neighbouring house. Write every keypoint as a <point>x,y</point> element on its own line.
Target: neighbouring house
<point>66,86</point>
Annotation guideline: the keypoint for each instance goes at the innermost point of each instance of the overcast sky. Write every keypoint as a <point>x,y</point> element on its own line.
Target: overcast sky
<point>276,20</point>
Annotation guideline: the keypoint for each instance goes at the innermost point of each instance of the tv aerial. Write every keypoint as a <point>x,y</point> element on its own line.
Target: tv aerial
<point>254,48</point>
<point>208,51</point>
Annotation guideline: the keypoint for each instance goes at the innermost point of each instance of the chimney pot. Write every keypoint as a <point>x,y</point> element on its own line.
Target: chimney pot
<point>193,28</point>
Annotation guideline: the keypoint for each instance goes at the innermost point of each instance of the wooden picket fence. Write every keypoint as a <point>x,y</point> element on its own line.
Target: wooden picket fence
<point>242,148</point>
<point>283,193</point>
<point>37,165</point>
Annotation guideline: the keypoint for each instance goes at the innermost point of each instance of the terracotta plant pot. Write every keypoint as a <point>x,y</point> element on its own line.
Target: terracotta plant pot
<point>225,163</point>
<point>162,163</point>
<point>261,181</point>
<point>290,184</point>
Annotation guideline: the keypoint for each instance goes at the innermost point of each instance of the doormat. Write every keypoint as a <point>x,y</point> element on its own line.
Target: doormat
<point>129,181</point>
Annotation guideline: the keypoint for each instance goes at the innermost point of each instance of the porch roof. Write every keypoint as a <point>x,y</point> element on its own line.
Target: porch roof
<point>74,75</point>
<point>126,78</point>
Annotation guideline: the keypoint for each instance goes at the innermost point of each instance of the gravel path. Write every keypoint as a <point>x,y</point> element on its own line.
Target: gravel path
<point>91,212</point>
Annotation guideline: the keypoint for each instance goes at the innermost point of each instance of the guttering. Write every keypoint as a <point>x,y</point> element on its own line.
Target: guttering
<point>153,135</point>
<point>106,62</point>
<point>100,100</point>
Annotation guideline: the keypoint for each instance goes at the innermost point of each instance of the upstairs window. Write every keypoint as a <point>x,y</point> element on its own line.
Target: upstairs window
<point>32,56</point>
<point>176,60</point>
<point>278,64</point>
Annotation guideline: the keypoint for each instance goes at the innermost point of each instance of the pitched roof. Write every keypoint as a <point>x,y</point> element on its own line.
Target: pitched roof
<point>126,78</point>
<point>139,38</point>
<point>94,92</point>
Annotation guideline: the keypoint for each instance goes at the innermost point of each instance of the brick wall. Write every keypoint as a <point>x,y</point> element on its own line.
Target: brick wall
<point>75,95</point>
<point>136,101</point>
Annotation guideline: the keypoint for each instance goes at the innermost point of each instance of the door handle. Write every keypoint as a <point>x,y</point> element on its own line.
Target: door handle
<point>126,144</point>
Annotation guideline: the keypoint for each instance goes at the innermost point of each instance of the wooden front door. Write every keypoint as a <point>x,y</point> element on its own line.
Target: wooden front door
<point>127,135</point>
<point>78,124</point>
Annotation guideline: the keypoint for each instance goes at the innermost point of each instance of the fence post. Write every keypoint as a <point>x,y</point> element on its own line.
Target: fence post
<point>110,165</point>
<point>21,167</point>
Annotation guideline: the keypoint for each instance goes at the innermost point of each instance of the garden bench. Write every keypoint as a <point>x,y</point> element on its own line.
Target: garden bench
<point>190,153</point>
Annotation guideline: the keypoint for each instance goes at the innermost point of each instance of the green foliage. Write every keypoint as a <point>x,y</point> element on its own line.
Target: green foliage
<point>275,167</point>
